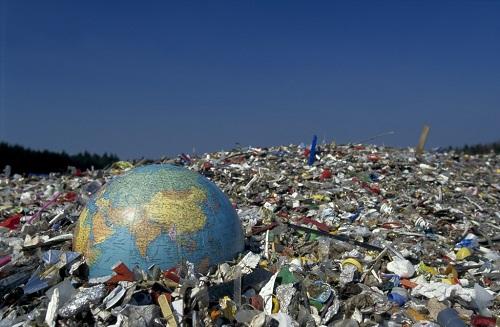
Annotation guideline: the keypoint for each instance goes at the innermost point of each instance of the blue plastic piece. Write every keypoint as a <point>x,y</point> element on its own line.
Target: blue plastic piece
<point>312,153</point>
<point>397,298</point>
<point>467,243</point>
<point>374,177</point>
<point>51,256</point>
<point>449,318</point>
<point>35,284</point>
<point>355,214</point>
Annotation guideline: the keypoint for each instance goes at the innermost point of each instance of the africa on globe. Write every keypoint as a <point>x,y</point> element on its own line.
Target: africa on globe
<point>157,214</point>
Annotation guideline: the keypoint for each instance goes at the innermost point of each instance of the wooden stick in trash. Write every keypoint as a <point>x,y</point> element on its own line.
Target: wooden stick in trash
<point>337,237</point>
<point>167,311</point>
<point>422,140</point>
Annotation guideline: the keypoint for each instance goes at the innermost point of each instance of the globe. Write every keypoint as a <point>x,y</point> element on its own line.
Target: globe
<point>157,214</point>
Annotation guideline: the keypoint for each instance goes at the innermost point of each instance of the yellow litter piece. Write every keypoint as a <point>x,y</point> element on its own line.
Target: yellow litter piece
<point>119,166</point>
<point>276,305</point>
<point>463,253</point>
<point>320,197</point>
<point>451,271</point>
<point>354,262</point>
<point>228,307</point>
<point>308,260</point>
<point>449,281</point>
<point>426,269</point>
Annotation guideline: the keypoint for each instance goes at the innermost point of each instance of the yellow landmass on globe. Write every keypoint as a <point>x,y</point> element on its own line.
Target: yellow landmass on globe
<point>102,203</point>
<point>82,242</point>
<point>100,229</point>
<point>91,254</point>
<point>179,209</point>
<point>124,216</point>
<point>144,232</point>
<point>81,235</point>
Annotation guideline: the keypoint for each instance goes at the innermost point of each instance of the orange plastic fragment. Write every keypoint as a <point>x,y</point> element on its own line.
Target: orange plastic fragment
<point>408,283</point>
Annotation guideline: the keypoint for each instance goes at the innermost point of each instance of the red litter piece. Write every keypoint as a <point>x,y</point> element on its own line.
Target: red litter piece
<point>172,275</point>
<point>480,321</point>
<point>373,157</point>
<point>70,197</point>
<point>321,226</point>
<point>206,166</point>
<point>374,188</point>
<point>12,222</point>
<point>122,274</point>
<point>257,302</point>
<point>326,174</point>
<point>5,260</point>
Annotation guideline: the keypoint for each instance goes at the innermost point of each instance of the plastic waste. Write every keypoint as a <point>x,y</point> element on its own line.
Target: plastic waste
<point>398,295</point>
<point>369,234</point>
<point>463,253</point>
<point>449,318</point>
<point>403,268</point>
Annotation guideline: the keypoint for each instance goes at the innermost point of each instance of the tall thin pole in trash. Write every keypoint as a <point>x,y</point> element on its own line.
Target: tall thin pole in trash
<point>312,153</point>
<point>422,140</point>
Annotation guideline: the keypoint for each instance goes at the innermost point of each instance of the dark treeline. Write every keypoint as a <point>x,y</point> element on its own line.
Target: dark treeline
<point>24,160</point>
<point>478,148</point>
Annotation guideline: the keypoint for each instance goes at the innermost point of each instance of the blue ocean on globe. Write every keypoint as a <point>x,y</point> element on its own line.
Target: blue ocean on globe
<point>157,214</point>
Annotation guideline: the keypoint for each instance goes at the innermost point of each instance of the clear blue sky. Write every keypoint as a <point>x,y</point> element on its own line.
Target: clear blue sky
<point>142,78</point>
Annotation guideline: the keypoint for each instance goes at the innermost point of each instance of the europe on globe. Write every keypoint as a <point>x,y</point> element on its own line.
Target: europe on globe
<point>157,214</point>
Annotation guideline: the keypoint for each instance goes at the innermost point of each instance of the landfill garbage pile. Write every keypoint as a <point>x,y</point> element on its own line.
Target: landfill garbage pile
<point>360,236</point>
